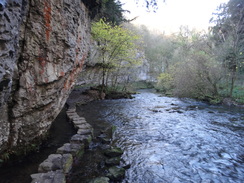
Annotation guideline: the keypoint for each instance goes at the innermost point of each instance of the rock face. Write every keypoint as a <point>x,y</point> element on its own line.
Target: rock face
<point>43,46</point>
<point>93,74</point>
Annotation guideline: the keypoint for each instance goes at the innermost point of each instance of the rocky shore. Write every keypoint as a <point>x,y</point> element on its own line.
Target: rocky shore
<point>57,167</point>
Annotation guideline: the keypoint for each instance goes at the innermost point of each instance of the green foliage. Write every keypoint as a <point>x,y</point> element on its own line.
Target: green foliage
<point>206,66</point>
<point>191,70</point>
<point>238,92</point>
<point>111,10</point>
<point>165,82</point>
<point>117,51</point>
<point>228,36</point>
<point>114,42</point>
<point>185,65</point>
<point>158,50</point>
<point>5,156</point>
<point>141,85</point>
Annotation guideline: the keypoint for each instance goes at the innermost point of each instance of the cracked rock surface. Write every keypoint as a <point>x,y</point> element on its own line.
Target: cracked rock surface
<point>43,46</point>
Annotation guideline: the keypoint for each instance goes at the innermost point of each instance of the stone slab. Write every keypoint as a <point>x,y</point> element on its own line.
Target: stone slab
<point>49,177</point>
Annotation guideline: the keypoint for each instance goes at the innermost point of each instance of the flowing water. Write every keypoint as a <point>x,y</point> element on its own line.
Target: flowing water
<point>170,140</point>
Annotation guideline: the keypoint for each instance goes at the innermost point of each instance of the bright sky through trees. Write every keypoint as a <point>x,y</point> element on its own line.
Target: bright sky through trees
<point>174,13</point>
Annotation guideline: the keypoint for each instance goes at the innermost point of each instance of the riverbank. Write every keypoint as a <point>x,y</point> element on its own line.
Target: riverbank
<point>58,165</point>
<point>21,167</point>
<point>89,147</point>
<point>167,139</point>
<point>101,161</point>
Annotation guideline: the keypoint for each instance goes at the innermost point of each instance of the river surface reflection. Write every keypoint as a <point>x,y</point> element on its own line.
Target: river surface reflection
<point>170,140</point>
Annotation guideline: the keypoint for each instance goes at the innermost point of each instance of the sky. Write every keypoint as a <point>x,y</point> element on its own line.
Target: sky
<point>174,13</point>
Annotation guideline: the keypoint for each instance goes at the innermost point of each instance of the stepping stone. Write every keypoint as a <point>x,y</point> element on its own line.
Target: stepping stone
<point>80,118</point>
<point>84,126</point>
<point>56,162</point>
<point>74,149</point>
<point>85,131</point>
<point>70,113</point>
<point>72,116</point>
<point>78,122</point>
<point>71,110</point>
<point>52,163</point>
<point>49,177</point>
<point>81,139</point>
<point>67,162</point>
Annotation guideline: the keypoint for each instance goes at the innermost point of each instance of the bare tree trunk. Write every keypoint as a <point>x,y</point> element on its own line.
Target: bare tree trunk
<point>103,75</point>
<point>233,79</point>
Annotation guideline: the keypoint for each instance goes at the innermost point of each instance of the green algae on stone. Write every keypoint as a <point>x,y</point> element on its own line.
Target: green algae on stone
<point>113,161</point>
<point>116,173</point>
<point>113,152</point>
<point>100,180</point>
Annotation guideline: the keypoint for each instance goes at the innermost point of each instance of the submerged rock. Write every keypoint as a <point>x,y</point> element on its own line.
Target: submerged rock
<point>113,161</point>
<point>113,152</point>
<point>104,138</point>
<point>116,173</point>
<point>100,180</point>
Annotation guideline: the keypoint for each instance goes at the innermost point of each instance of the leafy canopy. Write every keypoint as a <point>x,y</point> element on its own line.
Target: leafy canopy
<point>114,42</point>
<point>117,47</point>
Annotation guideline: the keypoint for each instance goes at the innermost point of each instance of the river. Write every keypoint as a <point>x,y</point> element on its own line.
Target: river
<point>171,140</point>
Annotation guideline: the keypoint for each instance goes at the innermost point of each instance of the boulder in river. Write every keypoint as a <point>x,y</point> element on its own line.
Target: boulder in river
<point>113,161</point>
<point>100,180</point>
<point>113,152</point>
<point>116,173</point>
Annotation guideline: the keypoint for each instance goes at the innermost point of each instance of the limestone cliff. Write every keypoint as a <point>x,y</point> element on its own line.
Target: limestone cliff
<point>43,46</point>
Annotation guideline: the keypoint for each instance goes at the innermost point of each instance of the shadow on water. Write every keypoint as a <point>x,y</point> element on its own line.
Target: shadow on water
<point>19,170</point>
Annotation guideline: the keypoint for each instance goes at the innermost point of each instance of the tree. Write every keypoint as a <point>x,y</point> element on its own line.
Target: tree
<point>196,72</point>
<point>109,10</point>
<point>149,4</point>
<point>117,49</point>
<point>228,34</point>
<point>158,50</point>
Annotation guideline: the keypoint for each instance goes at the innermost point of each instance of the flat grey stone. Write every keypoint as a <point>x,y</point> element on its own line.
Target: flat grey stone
<point>52,163</point>
<point>84,126</point>
<point>49,177</point>
<point>85,131</point>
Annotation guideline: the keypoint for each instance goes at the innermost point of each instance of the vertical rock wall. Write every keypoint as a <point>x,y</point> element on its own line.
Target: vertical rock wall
<point>44,44</point>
